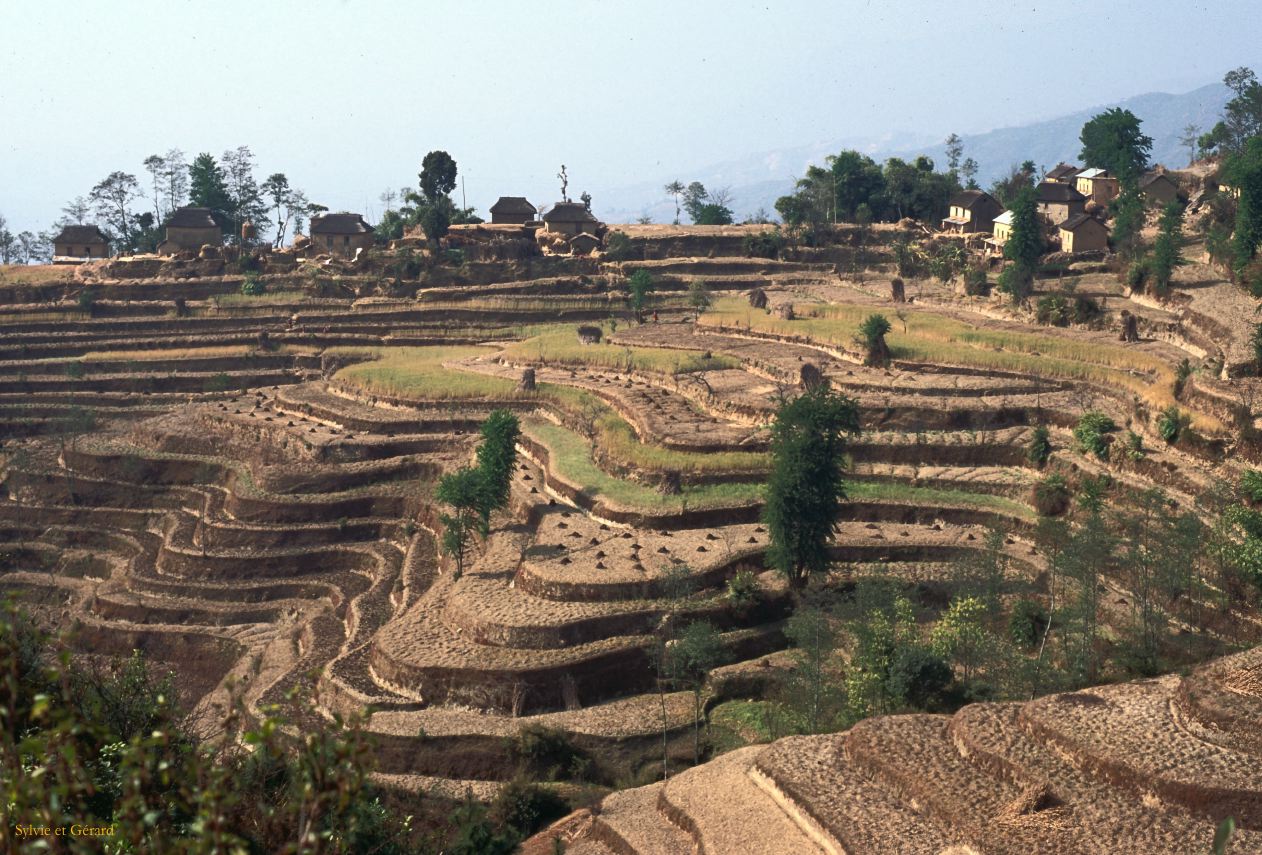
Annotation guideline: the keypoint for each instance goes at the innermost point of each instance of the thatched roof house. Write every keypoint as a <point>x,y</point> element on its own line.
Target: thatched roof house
<point>570,218</point>
<point>81,242</point>
<point>1083,233</point>
<point>1058,202</point>
<point>512,210</point>
<point>341,234</point>
<point>971,211</point>
<point>191,228</point>
<point>1063,173</point>
<point>1159,188</point>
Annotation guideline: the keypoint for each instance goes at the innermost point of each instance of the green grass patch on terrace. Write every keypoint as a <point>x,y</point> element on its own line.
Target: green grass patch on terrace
<point>418,373</point>
<point>562,346</point>
<point>571,458</point>
<point>267,298</point>
<point>936,338</point>
<point>893,491</point>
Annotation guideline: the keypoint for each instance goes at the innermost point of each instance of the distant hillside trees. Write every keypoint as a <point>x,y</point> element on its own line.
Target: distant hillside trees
<point>431,208</point>
<point>704,207</point>
<point>1244,172</point>
<point>1113,141</point>
<point>1242,115</point>
<point>852,181</point>
<point>111,200</point>
<point>1006,189</point>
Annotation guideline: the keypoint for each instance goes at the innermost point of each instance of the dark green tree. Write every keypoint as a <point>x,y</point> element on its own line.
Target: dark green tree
<point>805,488</point>
<point>1023,247</point>
<point>1244,172</point>
<point>438,176</point>
<point>1113,141</point>
<point>497,456</point>
<point>1128,219</point>
<point>435,219</point>
<point>639,286</point>
<point>208,189</point>
<point>1167,250</point>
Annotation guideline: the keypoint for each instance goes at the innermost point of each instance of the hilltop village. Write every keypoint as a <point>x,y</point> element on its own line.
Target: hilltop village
<point>923,518</point>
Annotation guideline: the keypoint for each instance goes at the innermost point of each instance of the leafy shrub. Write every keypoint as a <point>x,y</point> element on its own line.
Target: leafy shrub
<point>221,382</point>
<point>1040,447</point>
<point>1028,622</point>
<point>526,807</point>
<point>1051,495</point>
<point>1181,374</point>
<point>742,589</point>
<point>1251,485</point>
<point>1171,422</point>
<point>975,282</point>
<point>1137,274</point>
<point>872,333</point>
<point>548,754</point>
<point>767,244</point>
<point>1052,310</point>
<point>87,300</point>
<point>920,677</point>
<point>1058,311</point>
<point>1134,446</point>
<point>618,246</point>
<point>1091,433</point>
<point>252,285</point>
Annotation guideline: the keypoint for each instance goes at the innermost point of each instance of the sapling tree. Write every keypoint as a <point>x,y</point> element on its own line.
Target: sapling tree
<point>464,491</point>
<point>497,455</point>
<point>689,661</point>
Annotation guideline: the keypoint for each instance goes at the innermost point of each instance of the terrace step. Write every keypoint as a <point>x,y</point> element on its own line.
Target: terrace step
<point>723,810</point>
<point>826,796</point>
<point>1094,815</point>
<point>1128,735</point>
<point>630,824</point>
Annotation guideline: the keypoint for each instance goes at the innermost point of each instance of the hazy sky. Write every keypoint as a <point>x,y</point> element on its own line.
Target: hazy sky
<point>346,97</point>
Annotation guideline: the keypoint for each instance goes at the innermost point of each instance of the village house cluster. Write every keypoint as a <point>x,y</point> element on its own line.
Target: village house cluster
<point>1068,200</point>
<point>570,226</point>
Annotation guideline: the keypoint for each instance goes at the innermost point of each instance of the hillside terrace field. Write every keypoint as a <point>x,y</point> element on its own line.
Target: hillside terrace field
<point>249,496</point>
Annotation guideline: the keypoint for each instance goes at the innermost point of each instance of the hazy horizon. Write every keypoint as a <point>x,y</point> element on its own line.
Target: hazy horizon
<point>346,98</point>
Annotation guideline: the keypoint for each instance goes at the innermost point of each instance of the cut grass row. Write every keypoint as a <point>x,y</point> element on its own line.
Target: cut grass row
<point>935,338</point>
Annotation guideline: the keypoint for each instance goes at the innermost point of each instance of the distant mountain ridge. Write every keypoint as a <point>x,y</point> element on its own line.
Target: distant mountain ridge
<point>756,181</point>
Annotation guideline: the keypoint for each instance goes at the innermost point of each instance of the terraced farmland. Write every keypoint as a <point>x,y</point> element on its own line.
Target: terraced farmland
<point>244,490</point>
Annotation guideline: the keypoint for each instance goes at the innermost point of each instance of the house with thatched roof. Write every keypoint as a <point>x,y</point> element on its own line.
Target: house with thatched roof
<point>1062,173</point>
<point>584,243</point>
<point>1057,202</point>
<point>971,211</point>
<point>1097,185</point>
<point>512,210</point>
<point>80,243</point>
<point>191,229</point>
<point>341,234</point>
<point>1083,233</point>
<point>1158,188</point>
<point>570,218</point>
